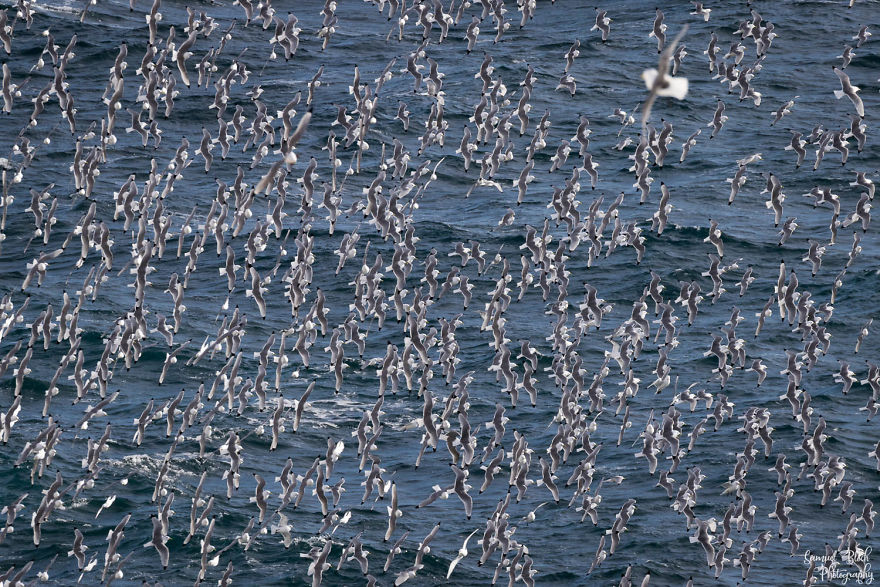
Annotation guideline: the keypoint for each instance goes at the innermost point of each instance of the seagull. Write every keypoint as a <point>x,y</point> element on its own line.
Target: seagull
<point>863,333</point>
<point>158,542</point>
<point>319,562</point>
<point>602,24</point>
<point>284,528</point>
<point>571,54</point>
<point>847,56</point>
<point>718,119</point>
<point>691,141</point>
<point>530,517</point>
<point>658,31</point>
<point>393,512</point>
<point>508,218</point>
<point>403,115</point>
<point>460,488</point>
<point>797,145</point>
<point>567,82</point>
<point>601,555</point>
<point>794,538</point>
<point>659,84</point>
<point>783,110</point>
<point>862,36</point>
<point>462,552</point>
<point>78,549</point>
<point>849,90</point>
<point>759,368</point>
<point>107,503</point>
<point>395,550</point>
<point>700,11</point>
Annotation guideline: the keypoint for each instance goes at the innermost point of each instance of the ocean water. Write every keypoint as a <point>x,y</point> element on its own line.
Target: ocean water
<point>444,207</point>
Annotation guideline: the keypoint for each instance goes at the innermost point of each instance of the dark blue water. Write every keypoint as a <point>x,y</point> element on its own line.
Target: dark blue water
<point>607,76</point>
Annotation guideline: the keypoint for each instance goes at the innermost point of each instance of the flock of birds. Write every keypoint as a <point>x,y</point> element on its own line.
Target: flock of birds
<point>297,337</point>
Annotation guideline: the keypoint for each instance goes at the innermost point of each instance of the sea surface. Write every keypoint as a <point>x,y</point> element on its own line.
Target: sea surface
<point>444,206</point>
